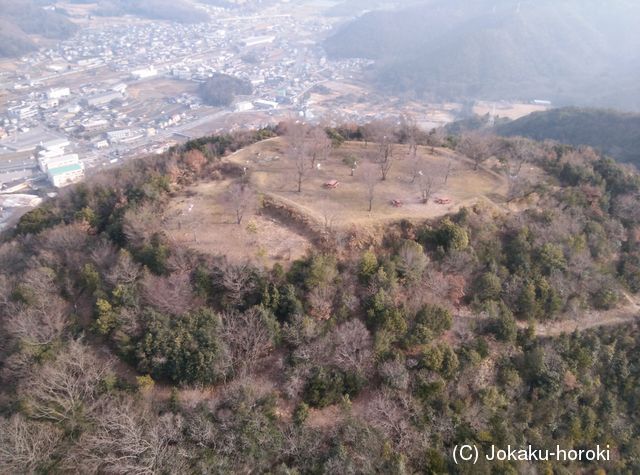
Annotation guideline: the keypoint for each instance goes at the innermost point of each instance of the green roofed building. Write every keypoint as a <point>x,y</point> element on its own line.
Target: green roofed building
<point>65,175</point>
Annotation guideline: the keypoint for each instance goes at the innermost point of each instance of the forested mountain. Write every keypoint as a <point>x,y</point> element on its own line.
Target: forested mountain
<point>124,351</point>
<point>568,51</point>
<point>614,133</point>
<point>21,18</point>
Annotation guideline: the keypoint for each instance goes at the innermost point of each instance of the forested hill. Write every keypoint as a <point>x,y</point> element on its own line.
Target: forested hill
<point>615,134</point>
<point>125,351</point>
<point>569,51</point>
<point>21,18</point>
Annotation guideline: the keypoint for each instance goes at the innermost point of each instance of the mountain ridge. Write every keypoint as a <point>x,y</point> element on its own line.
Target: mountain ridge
<point>496,50</point>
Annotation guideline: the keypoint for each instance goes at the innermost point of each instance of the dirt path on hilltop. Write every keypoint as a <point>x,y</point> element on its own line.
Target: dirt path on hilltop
<point>590,319</point>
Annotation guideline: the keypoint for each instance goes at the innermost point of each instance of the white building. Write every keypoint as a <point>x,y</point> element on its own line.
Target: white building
<point>119,135</point>
<point>49,104</point>
<point>244,106</point>
<point>144,73</point>
<point>48,154</point>
<point>58,93</point>
<point>102,99</point>
<point>23,112</point>
<point>181,73</point>
<point>120,87</point>
<point>50,163</point>
<point>258,40</point>
<point>264,104</point>
<point>55,146</point>
<point>63,176</point>
<point>95,124</point>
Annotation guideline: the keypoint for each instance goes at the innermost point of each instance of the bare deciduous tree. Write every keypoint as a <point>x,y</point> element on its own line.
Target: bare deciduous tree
<point>411,132</point>
<point>416,167</point>
<point>66,390</point>
<point>239,198</point>
<point>370,180</point>
<point>321,301</point>
<point>141,222</point>
<point>394,373</point>
<point>425,183</point>
<point>448,171</point>
<point>40,323</point>
<point>104,254</point>
<point>43,317</point>
<point>384,156</point>
<point>393,417</point>
<point>476,146</point>
<point>126,271</point>
<point>127,440</point>
<point>26,446</point>
<point>237,281</point>
<point>247,336</point>
<point>64,245</point>
<point>353,347</point>
<point>182,260</point>
<point>170,294</point>
<point>320,146</point>
<point>517,151</point>
<point>297,150</point>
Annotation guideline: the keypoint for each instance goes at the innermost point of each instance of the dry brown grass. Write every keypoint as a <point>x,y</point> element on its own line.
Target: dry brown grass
<point>274,174</point>
<point>198,218</point>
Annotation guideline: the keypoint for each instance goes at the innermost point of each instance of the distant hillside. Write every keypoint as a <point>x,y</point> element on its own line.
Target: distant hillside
<point>13,41</point>
<point>170,10</point>
<point>21,18</point>
<point>348,8</point>
<point>570,51</point>
<point>614,133</point>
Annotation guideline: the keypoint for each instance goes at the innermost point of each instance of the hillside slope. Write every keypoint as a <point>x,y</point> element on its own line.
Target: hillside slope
<point>21,18</point>
<point>614,133</point>
<point>125,351</point>
<point>564,50</point>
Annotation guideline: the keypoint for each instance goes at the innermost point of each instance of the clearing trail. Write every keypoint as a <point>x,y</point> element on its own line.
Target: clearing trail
<point>590,319</point>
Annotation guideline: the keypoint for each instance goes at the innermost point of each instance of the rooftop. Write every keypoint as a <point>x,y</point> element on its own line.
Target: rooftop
<point>32,139</point>
<point>66,169</point>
